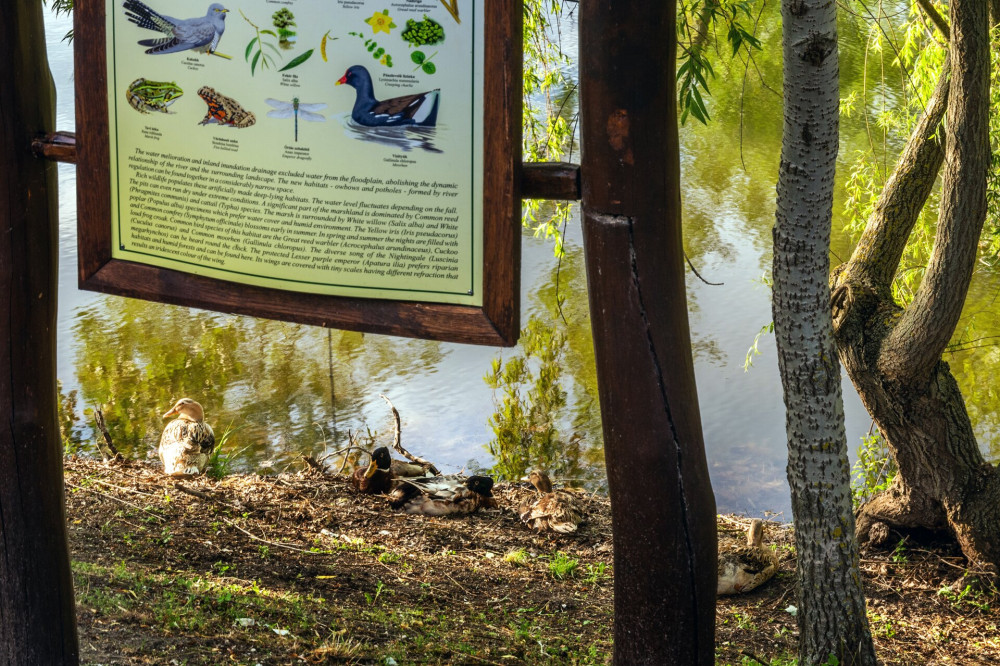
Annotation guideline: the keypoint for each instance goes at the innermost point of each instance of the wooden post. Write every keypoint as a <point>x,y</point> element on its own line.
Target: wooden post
<point>37,613</point>
<point>662,503</point>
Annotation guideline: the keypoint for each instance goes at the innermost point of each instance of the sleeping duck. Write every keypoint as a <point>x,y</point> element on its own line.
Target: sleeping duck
<point>557,510</point>
<point>443,495</point>
<point>743,568</point>
<point>377,477</point>
<point>187,441</point>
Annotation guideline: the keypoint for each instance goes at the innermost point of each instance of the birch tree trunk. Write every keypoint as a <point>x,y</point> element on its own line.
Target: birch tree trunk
<point>831,615</point>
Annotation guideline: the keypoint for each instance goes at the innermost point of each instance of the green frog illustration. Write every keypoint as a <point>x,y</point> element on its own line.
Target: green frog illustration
<point>146,96</point>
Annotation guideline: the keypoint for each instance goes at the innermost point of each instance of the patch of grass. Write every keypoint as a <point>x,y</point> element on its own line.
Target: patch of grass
<point>969,596</point>
<point>518,557</point>
<point>562,566</point>
<point>596,573</point>
<point>222,463</point>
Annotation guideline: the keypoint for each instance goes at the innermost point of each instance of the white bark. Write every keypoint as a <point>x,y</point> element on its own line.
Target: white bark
<point>831,615</point>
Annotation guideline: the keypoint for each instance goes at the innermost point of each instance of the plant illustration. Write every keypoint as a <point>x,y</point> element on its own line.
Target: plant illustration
<point>380,22</point>
<point>424,61</point>
<point>283,21</point>
<point>419,33</point>
<point>261,57</point>
<point>378,52</point>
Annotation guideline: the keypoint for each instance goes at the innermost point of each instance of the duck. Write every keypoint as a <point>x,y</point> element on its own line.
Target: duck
<point>558,511</point>
<point>743,568</point>
<point>443,495</point>
<point>419,110</point>
<point>377,478</point>
<point>187,442</point>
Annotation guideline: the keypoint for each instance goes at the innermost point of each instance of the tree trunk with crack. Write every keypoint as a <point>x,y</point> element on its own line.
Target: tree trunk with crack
<point>894,355</point>
<point>831,616</point>
<point>663,510</point>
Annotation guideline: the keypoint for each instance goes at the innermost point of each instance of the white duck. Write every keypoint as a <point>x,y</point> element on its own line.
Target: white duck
<point>187,441</point>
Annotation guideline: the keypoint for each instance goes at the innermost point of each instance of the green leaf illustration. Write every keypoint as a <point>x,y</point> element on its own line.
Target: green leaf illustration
<point>298,60</point>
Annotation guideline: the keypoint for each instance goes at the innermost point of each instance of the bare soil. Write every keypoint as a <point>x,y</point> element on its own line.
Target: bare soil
<point>297,568</point>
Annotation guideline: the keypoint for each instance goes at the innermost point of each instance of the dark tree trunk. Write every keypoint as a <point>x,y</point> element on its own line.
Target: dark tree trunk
<point>893,355</point>
<point>661,498</point>
<point>37,613</point>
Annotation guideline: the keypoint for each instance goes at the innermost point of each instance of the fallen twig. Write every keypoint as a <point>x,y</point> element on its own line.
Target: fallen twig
<point>201,495</point>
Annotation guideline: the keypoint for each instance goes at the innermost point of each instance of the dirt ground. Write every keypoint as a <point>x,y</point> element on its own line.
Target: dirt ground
<point>297,569</point>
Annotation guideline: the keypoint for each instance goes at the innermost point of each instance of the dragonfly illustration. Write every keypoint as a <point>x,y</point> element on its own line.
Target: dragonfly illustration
<point>294,109</point>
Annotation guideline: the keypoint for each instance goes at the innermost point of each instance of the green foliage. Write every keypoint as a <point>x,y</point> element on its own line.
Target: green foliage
<point>222,463</point>
<point>970,595</point>
<point>523,426</point>
<point>874,470</point>
<point>754,351</point>
<point>696,20</point>
<point>63,7</point>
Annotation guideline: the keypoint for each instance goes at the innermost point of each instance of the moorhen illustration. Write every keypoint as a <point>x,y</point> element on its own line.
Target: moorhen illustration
<point>420,109</point>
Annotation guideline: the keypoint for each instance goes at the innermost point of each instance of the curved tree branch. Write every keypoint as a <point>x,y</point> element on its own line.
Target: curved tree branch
<point>918,340</point>
<point>935,16</point>
<point>878,253</point>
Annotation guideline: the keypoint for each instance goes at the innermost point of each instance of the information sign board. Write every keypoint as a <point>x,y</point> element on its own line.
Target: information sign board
<point>346,163</point>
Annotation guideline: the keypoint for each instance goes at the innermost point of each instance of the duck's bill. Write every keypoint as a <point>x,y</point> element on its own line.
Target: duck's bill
<point>172,412</point>
<point>372,468</point>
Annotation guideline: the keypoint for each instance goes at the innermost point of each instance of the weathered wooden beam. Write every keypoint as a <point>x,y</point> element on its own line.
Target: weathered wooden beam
<point>550,180</point>
<point>55,146</point>
<point>37,613</point>
<point>663,509</point>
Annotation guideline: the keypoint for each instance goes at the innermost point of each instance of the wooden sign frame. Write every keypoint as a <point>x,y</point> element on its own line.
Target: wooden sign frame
<point>495,323</point>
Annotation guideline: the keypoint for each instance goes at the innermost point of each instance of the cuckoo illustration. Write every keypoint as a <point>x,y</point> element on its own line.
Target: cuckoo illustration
<point>200,34</point>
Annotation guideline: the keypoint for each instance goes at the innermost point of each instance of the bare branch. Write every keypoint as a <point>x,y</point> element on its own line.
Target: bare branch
<point>397,441</point>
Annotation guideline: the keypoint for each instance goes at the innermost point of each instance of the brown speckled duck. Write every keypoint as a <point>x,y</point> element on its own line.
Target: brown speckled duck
<point>187,442</point>
<point>377,477</point>
<point>443,495</point>
<point>558,511</point>
<point>743,568</point>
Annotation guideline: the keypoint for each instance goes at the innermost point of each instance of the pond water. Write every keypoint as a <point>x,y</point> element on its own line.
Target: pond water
<point>292,389</point>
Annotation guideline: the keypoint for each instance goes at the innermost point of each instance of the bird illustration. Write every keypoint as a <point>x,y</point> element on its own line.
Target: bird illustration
<point>558,511</point>
<point>200,34</point>
<point>420,109</point>
<point>377,477</point>
<point>743,568</point>
<point>187,441</point>
<point>443,495</point>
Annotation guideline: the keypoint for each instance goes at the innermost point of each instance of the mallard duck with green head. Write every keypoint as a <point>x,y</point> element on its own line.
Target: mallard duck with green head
<point>377,477</point>
<point>443,495</point>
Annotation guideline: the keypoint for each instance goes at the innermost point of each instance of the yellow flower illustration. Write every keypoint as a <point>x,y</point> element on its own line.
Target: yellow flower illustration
<point>380,22</point>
